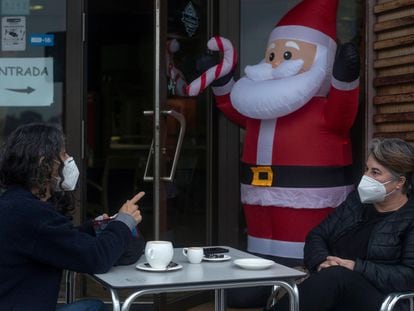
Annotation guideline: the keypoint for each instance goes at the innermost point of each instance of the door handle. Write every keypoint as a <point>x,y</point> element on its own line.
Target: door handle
<point>181,120</point>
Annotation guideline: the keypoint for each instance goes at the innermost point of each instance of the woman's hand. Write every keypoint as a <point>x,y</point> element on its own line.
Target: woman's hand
<point>337,261</point>
<point>131,207</point>
<point>327,263</point>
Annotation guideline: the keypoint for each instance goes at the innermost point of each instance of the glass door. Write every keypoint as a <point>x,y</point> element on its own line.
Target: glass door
<point>180,125</point>
<point>140,57</point>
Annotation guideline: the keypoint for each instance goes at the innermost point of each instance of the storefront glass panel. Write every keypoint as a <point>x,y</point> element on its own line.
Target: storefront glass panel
<point>122,85</point>
<point>32,62</point>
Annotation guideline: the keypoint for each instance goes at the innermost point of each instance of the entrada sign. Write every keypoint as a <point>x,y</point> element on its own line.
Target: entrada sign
<point>26,82</point>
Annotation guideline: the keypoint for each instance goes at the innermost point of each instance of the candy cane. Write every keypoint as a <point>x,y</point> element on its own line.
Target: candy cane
<point>176,76</point>
<point>224,67</point>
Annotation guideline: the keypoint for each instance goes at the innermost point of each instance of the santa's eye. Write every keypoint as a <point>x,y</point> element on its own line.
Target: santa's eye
<point>287,55</point>
<point>271,57</point>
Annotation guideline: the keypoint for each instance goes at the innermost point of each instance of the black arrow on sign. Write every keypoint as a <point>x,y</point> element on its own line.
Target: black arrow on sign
<point>27,90</point>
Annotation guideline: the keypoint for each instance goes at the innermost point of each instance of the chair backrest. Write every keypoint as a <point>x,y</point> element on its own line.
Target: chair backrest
<point>391,300</point>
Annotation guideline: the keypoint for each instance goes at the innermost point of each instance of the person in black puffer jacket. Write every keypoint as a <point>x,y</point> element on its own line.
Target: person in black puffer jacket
<point>364,249</point>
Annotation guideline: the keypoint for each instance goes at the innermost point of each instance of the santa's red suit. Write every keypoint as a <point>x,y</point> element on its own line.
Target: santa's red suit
<point>297,167</point>
<point>308,175</point>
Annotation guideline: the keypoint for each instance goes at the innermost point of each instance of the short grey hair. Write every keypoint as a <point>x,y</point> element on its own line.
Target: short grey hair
<point>397,156</point>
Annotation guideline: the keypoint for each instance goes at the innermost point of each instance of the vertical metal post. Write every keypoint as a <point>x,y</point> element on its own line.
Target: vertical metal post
<point>219,300</point>
<point>156,163</point>
<point>209,144</point>
<point>70,286</point>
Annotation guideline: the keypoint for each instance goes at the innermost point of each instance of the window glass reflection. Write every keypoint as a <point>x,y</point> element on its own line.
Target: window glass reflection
<point>33,44</point>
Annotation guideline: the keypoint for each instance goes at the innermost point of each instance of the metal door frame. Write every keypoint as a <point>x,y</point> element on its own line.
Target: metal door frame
<point>75,92</point>
<point>160,96</point>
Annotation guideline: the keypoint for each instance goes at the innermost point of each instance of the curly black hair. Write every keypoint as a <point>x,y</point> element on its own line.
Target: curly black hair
<point>27,158</point>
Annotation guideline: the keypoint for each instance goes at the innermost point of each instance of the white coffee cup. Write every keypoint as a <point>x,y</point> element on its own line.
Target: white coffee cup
<point>159,253</point>
<point>194,254</point>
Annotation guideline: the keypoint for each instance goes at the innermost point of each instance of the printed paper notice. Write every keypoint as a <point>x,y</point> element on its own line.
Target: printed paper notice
<point>26,82</point>
<point>13,33</point>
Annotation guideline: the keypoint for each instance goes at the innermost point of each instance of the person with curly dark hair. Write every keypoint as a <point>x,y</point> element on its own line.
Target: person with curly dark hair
<point>37,239</point>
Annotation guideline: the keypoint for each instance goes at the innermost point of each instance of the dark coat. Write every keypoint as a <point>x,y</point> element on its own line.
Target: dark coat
<point>37,243</point>
<point>389,264</point>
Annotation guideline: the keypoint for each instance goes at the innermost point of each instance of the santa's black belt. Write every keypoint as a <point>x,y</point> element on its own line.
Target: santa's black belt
<point>296,176</point>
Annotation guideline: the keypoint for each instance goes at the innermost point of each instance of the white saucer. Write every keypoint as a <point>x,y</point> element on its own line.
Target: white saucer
<point>253,263</point>
<point>145,266</point>
<point>224,258</point>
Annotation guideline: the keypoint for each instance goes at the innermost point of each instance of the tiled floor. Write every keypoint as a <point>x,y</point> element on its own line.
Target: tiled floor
<point>204,307</point>
<point>210,307</point>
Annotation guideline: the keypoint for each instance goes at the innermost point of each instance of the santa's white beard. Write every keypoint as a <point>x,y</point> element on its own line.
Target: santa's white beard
<point>270,98</point>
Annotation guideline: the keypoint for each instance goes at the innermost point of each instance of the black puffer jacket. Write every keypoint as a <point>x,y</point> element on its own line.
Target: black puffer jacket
<point>389,264</point>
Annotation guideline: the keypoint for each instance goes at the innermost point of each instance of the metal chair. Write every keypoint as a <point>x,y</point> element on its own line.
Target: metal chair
<point>387,305</point>
<point>70,277</point>
<point>391,300</point>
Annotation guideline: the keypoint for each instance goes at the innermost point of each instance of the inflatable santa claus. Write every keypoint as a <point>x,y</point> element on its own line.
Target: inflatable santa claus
<point>297,106</point>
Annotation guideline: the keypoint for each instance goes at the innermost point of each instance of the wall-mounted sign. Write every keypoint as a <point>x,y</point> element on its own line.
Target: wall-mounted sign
<point>190,19</point>
<point>42,40</point>
<point>26,82</point>
<point>15,7</point>
<point>13,31</point>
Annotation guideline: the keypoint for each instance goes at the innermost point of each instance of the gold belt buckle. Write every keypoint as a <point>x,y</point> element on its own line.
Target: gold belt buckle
<point>258,173</point>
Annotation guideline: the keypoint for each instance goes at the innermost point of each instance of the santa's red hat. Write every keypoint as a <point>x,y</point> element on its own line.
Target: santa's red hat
<point>312,21</point>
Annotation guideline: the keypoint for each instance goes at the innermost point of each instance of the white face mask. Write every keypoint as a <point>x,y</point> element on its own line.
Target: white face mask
<point>70,174</point>
<point>371,190</point>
